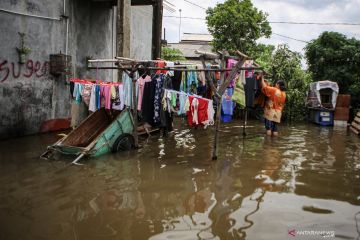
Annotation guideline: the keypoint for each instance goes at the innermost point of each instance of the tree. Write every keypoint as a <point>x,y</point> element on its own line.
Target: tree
<point>236,25</point>
<point>284,64</point>
<point>333,56</point>
<point>171,54</point>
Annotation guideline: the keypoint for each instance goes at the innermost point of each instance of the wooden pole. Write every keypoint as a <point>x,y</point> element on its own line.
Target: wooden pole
<point>245,121</point>
<point>157,27</point>
<point>135,111</point>
<point>218,114</point>
<point>207,76</point>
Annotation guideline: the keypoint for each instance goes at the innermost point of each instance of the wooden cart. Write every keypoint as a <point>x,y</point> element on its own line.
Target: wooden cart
<point>98,134</point>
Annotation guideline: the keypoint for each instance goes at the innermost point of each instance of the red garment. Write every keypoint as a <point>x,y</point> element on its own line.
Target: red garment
<point>160,64</point>
<point>202,111</point>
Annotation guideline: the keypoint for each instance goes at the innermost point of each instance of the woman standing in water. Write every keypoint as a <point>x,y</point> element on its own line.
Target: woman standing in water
<point>274,105</point>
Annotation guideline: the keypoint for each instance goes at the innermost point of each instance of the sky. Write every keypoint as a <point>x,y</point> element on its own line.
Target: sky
<point>324,11</point>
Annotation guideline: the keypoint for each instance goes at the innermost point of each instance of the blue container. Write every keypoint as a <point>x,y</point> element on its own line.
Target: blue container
<point>323,117</point>
<point>226,118</point>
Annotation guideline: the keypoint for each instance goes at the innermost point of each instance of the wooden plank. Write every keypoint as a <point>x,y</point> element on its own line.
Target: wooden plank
<point>357,120</point>
<point>354,130</point>
<point>355,125</point>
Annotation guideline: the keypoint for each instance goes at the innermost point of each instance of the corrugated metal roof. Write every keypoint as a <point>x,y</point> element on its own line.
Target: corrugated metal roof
<point>197,37</point>
<point>189,49</point>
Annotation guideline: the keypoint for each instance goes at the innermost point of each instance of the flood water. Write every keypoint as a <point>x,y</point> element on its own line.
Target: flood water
<point>308,178</point>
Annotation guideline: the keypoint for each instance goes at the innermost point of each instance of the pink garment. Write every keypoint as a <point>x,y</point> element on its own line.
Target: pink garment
<point>141,83</point>
<point>105,96</point>
<point>230,64</point>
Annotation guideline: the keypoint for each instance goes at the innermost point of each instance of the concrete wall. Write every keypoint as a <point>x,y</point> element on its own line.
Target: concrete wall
<point>141,32</point>
<point>29,95</point>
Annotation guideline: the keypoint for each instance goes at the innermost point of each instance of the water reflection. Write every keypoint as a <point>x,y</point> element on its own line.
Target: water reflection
<point>309,177</point>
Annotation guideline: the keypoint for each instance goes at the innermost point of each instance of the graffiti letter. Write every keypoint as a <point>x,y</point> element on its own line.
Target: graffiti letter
<point>6,69</point>
<point>30,67</point>
<point>13,70</point>
<point>37,67</point>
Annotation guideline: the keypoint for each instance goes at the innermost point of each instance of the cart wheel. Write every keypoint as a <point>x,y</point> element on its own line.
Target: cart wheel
<point>123,143</point>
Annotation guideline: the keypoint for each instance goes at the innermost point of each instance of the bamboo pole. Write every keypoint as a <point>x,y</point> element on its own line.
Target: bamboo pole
<point>135,111</point>
<point>218,115</point>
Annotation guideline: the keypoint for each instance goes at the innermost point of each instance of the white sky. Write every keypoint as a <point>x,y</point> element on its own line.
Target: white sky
<point>279,10</point>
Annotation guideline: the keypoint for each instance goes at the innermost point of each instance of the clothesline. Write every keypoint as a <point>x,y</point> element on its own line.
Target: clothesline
<point>186,94</point>
<point>182,69</point>
<point>95,82</point>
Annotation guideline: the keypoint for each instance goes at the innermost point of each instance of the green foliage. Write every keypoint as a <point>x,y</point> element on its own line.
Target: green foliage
<point>171,54</point>
<point>236,25</point>
<point>284,64</point>
<point>333,56</point>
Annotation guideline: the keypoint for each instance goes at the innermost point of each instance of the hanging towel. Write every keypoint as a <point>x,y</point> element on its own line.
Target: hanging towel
<point>92,103</point>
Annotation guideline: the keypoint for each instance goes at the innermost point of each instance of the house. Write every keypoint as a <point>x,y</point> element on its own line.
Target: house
<point>34,98</point>
<point>190,42</point>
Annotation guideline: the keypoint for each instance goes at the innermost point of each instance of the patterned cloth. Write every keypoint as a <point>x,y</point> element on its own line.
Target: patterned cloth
<point>157,101</point>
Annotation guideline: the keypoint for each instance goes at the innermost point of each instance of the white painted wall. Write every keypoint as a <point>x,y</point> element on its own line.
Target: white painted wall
<point>141,32</point>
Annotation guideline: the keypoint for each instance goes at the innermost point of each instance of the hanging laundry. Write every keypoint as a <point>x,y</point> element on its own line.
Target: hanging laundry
<point>198,111</point>
<point>86,93</point>
<point>239,92</point>
<point>227,103</point>
<point>92,102</point>
<point>183,84</point>
<point>157,100</point>
<point>230,64</point>
<point>160,64</point>
<point>128,86</point>
<point>192,81</point>
<point>141,84</point>
<point>176,80</point>
<point>105,96</point>
<point>170,64</point>
<point>182,101</point>
<point>249,73</point>
<point>119,101</point>
<point>147,107</point>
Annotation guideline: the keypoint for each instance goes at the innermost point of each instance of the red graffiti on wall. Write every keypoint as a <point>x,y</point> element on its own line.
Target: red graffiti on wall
<point>28,70</point>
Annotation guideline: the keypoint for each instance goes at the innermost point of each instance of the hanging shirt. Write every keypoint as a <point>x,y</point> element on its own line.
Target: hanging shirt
<point>231,63</point>
<point>183,86</point>
<point>227,103</point>
<point>141,84</point>
<point>191,79</point>
<point>92,102</point>
<point>98,97</point>
<point>198,111</point>
<point>105,96</point>
<point>121,103</point>
<point>157,99</point>
<point>86,93</point>
<point>128,86</point>
<point>182,101</point>
<point>160,64</point>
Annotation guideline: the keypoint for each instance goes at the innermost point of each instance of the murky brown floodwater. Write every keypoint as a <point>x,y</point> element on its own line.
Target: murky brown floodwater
<point>259,188</point>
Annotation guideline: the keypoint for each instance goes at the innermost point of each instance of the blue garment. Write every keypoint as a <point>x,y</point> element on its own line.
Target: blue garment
<point>76,89</point>
<point>227,103</point>
<point>191,78</point>
<point>98,97</point>
<point>182,101</point>
<point>78,93</point>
